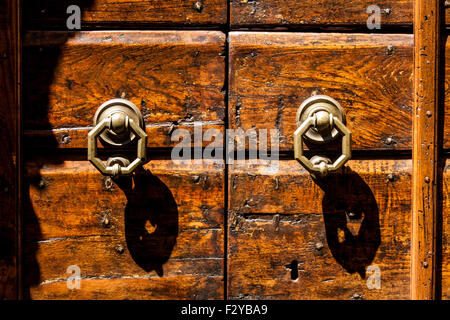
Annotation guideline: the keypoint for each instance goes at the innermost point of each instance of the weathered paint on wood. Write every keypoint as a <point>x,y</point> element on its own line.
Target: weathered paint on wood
<point>168,220</point>
<point>292,238</point>
<point>271,74</point>
<point>175,78</point>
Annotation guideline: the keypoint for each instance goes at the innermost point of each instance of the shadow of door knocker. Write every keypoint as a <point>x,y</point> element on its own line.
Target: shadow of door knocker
<point>151,214</point>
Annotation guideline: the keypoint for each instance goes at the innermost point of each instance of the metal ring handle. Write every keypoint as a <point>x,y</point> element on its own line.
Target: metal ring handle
<point>116,169</point>
<point>322,168</point>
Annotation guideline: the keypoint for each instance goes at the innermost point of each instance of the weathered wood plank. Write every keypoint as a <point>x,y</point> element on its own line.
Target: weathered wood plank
<point>284,220</point>
<point>9,156</point>
<point>209,13</point>
<point>169,223</point>
<point>115,13</point>
<point>427,26</point>
<point>271,74</point>
<point>293,13</point>
<point>183,287</point>
<point>176,78</point>
<point>159,135</point>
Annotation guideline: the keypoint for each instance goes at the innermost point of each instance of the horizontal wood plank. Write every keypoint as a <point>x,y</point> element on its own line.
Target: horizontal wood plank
<point>293,238</point>
<point>117,13</point>
<point>158,135</point>
<point>209,13</point>
<point>185,287</point>
<point>167,223</point>
<point>291,13</point>
<point>271,74</point>
<point>176,79</point>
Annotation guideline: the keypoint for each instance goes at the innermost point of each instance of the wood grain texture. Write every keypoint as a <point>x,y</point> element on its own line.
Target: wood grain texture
<point>283,219</point>
<point>447,12</point>
<point>271,74</point>
<point>9,156</point>
<point>183,287</point>
<point>159,135</point>
<point>446,114</point>
<point>175,78</point>
<point>291,13</point>
<point>445,260</point>
<point>169,221</point>
<point>425,149</point>
<point>119,13</point>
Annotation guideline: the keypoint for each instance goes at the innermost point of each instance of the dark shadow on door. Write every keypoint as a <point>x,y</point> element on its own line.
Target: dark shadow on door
<point>351,220</point>
<point>150,216</point>
<point>151,221</point>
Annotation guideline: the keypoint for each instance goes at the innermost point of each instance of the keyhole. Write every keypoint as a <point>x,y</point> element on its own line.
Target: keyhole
<point>294,269</point>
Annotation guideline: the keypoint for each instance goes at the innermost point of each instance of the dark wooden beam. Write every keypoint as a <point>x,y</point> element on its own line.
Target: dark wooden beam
<point>9,142</point>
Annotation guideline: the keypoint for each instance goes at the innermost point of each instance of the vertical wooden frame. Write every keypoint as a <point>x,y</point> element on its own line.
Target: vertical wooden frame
<point>425,148</point>
<point>9,139</point>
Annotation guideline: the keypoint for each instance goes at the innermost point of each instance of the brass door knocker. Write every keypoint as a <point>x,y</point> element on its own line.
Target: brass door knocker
<point>321,119</point>
<point>118,122</point>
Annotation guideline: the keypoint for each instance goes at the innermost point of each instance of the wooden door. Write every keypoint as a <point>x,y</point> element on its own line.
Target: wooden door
<point>375,229</point>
